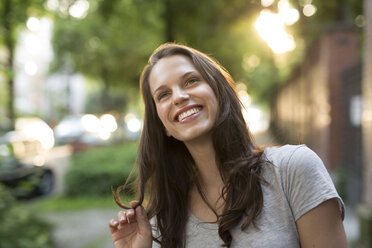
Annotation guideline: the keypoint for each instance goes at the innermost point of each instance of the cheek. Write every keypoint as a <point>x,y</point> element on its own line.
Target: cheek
<point>214,101</point>
<point>161,114</point>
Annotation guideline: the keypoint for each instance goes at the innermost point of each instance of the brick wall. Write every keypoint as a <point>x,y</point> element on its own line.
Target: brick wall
<point>310,107</point>
<point>339,53</point>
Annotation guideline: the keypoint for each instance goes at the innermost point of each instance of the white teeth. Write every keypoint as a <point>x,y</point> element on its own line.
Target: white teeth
<point>188,113</point>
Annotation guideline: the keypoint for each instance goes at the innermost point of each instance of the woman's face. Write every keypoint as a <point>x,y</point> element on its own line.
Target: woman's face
<point>185,103</point>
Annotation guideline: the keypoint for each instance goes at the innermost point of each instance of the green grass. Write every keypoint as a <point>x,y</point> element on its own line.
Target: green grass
<point>51,204</point>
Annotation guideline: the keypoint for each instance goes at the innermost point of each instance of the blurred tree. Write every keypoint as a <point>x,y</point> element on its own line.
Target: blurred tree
<point>14,14</point>
<point>327,13</point>
<point>110,45</point>
<point>305,31</point>
<point>113,41</point>
<point>225,30</point>
<point>218,27</point>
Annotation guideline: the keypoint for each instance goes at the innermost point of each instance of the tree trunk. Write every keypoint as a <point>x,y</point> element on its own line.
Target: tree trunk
<point>168,19</point>
<point>7,20</point>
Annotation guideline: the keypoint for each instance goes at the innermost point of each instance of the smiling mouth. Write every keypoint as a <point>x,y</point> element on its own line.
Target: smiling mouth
<point>188,113</point>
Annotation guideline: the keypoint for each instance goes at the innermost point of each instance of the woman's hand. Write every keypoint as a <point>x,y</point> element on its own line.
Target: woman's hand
<point>132,230</point>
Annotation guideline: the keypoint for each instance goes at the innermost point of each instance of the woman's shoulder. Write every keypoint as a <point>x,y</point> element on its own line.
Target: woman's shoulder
<point>298,159</point>
<point>281,155</point>
<point>303,177</point>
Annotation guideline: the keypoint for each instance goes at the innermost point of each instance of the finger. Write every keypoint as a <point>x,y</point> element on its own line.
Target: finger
<point>130,214</point>
<point>134,204</point>
<point>122,217</point>
<point>113,225</point>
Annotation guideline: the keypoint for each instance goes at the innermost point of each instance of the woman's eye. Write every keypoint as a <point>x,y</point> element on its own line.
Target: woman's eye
<point>191,81</point>
<point>162,95</point>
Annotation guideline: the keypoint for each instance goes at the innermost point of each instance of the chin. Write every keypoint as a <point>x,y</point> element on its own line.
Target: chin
<point>195,136</point>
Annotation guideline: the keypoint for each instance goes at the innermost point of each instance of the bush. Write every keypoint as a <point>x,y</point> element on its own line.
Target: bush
<point>21,228</point>
<point>94,171</point>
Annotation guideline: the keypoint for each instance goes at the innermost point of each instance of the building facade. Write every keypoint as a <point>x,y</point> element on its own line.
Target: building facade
<point>365,211</point>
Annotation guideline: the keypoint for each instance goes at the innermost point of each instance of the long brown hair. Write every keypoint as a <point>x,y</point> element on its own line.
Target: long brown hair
<point>166,170</point>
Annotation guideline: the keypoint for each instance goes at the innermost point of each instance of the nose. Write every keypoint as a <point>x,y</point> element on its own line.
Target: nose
<point>180,96</point>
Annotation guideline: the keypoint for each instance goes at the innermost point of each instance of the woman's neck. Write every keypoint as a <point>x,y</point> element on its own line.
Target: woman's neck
<point>204,155</point>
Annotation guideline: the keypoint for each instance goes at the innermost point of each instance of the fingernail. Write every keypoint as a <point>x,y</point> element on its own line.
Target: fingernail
<point>130,212</point>
<point>114,222</point>
<point>122,218</point>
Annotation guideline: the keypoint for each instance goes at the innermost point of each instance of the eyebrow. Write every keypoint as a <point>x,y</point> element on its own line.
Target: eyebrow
<point>182,77</point>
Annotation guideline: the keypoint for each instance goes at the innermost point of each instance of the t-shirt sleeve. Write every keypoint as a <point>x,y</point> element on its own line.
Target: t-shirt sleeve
<point>307,182</point>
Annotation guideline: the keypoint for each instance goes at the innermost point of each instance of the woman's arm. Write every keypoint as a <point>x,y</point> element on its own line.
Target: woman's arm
<point>322,227</point>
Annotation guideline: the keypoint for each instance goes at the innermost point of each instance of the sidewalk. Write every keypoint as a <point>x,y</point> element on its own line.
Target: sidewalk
<point>82,229</point>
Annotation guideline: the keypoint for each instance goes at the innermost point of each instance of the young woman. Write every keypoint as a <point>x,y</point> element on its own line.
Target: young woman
<point>206,183</point>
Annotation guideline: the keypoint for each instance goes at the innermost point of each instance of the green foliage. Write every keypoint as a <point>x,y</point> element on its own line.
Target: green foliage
<point>328,13</point>
<point>15,13</point>
<point>21,228</point>
<point>97,242</point>
<point>217,27</point>
<point>93,172</point>
<point>114,41</point>
<point>110,45</point>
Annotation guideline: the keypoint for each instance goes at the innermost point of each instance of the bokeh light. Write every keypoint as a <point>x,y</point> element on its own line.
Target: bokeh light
<point>108,123</point>
<point>90,123</point>
<point>252,60</point>
<point>360,21</point>
<point>33,24</point>
<point>309,10</point>
<point>267,3</point>
<point>79,9</point>
<point>52,5</point>
<point>133,123</point>
<point>290,16</point>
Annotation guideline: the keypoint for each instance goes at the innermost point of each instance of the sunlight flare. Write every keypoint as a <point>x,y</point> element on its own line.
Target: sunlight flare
<point>271,28</point>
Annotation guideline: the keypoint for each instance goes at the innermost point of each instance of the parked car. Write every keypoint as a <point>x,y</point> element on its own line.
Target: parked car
<point>24,179</point>
<point>83,131</point>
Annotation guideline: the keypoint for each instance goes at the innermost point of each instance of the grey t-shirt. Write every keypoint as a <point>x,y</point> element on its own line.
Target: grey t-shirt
<point>298,182</point>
